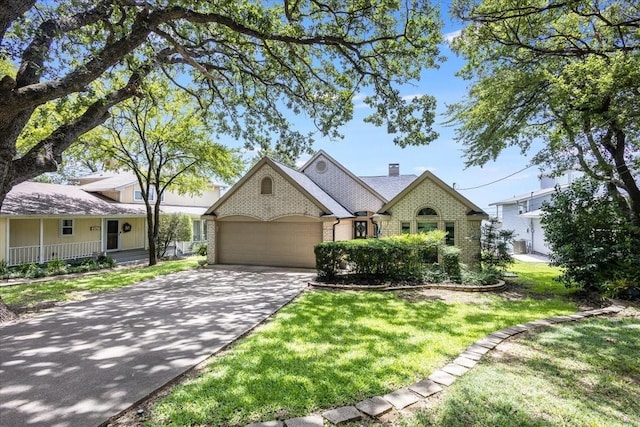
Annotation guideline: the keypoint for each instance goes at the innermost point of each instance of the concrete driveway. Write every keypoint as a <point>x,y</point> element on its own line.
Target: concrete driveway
<point>86,361</point>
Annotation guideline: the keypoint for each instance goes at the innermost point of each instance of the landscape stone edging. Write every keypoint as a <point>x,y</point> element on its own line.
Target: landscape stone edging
<point>449,287</point>
<point>440,378</point>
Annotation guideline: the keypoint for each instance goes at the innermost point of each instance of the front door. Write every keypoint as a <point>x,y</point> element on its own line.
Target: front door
<point>112,234</point>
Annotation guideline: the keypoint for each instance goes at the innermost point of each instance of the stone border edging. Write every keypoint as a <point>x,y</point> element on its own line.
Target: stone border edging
<point>435,383</point>
<point>446,286</point>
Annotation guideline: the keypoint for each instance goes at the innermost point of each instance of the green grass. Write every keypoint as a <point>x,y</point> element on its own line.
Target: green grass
<point>578,374</point>
<point>538,278</point>
<point>29,295</point>
<point>336,348</point>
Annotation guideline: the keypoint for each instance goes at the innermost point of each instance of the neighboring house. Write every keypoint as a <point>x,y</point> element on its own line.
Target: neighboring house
<point>40,222</point>
<point>522,213</point>
<point>124,188</point>
<point>275,215</point>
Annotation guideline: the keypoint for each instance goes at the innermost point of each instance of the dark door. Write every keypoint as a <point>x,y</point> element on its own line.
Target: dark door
<point>360,229</point>
<point>112,234</point>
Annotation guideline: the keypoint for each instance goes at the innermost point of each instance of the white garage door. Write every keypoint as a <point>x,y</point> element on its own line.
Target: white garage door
<point>284,244</point>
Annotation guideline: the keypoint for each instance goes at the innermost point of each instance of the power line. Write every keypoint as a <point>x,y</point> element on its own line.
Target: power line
<point>493,182</point>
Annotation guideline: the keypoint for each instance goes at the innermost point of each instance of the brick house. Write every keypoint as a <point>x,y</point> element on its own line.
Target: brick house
<point>275,215</point>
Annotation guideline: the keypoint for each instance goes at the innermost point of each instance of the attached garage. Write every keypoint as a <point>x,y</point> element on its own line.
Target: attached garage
<point>285,244</point>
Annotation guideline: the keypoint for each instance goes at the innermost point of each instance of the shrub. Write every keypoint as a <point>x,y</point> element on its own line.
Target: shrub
<point>56,266</point>
<point>434,274</point>
<point>30,271</point>
<point>451,262</point>
<point>201,249</point>
<point>106,261</point>
<point>395,258</point>
<point>4,269</point>
<point>172,228</point>
<point>486,276</point>
<point>593,239</point>
<point>494,245</point>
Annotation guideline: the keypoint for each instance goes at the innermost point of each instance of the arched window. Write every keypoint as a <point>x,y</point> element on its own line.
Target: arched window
<point>266,186</point>
<point>427,212</point>
<point>427,220</point>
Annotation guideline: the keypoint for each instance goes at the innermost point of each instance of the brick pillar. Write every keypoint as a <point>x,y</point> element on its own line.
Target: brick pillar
<point>211,241</point>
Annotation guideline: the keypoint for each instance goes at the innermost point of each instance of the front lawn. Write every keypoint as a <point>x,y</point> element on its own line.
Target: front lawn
<point>29,295</point>
<point>539,278</point>
<point>577,374</point>
<point>336,348</point>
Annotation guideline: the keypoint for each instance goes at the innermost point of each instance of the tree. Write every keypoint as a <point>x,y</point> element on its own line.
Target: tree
<point>253,65</point>
<point>593,240</point>
<point>163,139</point>
<point>173,228</point>
<point>565,73</point>
<point>494,245</point>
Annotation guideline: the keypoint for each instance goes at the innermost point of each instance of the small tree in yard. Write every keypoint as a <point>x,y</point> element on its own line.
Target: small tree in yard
<point>494,245</point>
<point>594,240</point>
<point>173,228</point>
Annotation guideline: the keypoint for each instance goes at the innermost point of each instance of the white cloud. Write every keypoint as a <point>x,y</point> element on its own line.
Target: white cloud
<point>412,96</point>
<point>452,35</point>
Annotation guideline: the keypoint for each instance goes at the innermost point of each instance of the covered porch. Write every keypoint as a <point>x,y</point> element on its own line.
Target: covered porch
<point>40,240</point>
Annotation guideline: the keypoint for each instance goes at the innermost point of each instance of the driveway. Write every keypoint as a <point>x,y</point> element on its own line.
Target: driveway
<point>86,361</point>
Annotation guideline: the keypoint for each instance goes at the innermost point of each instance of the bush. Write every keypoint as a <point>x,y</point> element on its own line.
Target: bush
<point>397,258</point>
<point>56,266</point>
<point>487,276</point>
<point>106,261</point>
<point>594,240</point>
<point>451,262</point>
<point>4,269</point>
<point>494,245</point>
<point>201,249</point>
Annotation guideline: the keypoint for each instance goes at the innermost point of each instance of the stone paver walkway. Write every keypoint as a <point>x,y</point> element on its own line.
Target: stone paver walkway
<point>435,383</point>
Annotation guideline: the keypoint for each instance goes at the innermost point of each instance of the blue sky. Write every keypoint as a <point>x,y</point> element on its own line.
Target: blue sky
<point>367,150</point>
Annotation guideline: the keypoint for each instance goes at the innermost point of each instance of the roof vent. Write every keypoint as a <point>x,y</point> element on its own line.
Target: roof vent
<point>394,169</point>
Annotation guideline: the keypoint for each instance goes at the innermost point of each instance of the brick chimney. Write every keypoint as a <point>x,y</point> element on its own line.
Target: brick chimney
<point>394,169</point>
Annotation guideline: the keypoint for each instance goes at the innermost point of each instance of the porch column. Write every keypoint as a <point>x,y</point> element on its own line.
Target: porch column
<point>8,247</point>
<point>41,240</point>
<point>103,224</point>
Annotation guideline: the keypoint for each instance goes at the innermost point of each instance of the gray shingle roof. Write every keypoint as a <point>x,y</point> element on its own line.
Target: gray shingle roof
<point>315,191</point>
<point>388,186</point>
<point>35,198</point>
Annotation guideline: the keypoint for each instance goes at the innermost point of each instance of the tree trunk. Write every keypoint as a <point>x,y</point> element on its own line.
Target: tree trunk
<point>151,237</point>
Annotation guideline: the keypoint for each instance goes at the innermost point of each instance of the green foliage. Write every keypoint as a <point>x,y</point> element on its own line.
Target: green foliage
<point>4,269</point>
<point>201,249</point>
<point>173,228</point>
<point>30,271</point>
<point>56,266</point>
<point>494,245</point>
<point>474,277</point>
<point>593,240</point>
<point>253,68</point>
<point>563,76</point>
<point>394,258</point>
<point>451,262</point>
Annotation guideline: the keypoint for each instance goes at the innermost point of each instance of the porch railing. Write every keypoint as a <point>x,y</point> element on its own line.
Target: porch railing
<point>31,254</point>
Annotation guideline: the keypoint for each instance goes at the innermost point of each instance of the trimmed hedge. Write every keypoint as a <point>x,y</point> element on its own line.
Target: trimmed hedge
<point>396,258</point>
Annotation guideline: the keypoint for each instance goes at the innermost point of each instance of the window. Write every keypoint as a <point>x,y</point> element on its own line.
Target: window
<point>197,230</point>
<point>266,186</point>
<point>523,207</point>
<point>424,227</point>
<point>360,229</point>
<point>449,227</point>
<point>66,227</point>
<point>427,212</point>
<point>137,195</point>
<point>405,227</point>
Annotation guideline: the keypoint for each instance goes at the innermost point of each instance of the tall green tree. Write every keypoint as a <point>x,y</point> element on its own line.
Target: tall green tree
<point>566,73</point>
<point>163,139</point>
<point>593,240</point>
<point>253,65</point>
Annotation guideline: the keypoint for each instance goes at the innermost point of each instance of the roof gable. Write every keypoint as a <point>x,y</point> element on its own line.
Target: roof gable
<point>298,180</point>
<point>472,208</point>
<point>341,184</point>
